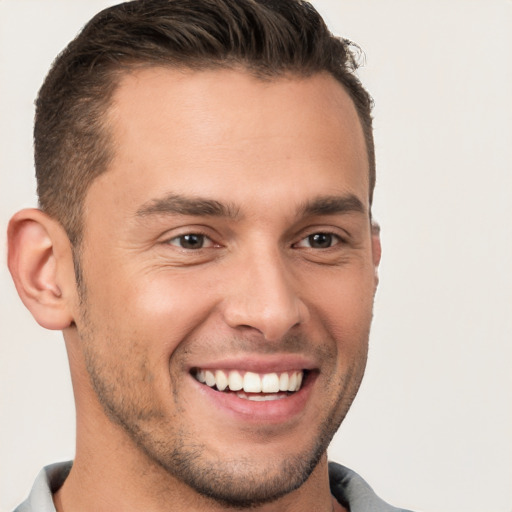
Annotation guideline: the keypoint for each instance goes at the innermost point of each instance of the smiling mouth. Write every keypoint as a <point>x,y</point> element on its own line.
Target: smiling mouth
<point>252,386</point>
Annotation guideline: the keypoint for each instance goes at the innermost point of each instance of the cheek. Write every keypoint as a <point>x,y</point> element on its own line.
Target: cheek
<point>344,303</point>
<point>158,310</point>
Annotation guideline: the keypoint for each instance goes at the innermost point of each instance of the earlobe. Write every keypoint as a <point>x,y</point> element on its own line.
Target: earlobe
<point>40,262</point>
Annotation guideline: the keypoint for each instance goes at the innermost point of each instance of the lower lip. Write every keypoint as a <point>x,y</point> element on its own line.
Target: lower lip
<point>250,411</point>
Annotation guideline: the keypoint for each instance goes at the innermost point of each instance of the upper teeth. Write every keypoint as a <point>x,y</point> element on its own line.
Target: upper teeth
<point>251,382</point>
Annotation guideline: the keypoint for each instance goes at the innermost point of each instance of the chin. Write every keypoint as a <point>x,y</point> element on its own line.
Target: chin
<point>238,478</point>
<point>242,482</point>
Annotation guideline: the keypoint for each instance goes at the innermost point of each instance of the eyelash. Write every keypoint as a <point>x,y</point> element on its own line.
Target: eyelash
<point>177,241</point>
<point>332,239</point>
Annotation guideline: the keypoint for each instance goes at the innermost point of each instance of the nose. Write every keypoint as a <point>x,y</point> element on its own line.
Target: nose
<point>263,297</point>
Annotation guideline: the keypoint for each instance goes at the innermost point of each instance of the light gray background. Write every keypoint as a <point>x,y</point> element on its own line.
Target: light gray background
<point>432,427</point>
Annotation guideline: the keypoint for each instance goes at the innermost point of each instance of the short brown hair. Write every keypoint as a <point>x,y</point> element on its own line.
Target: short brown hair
<point>265,37</point>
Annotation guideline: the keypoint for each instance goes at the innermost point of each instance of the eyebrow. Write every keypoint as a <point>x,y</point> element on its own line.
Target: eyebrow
<point>332,205</point>
<point>175,204</point>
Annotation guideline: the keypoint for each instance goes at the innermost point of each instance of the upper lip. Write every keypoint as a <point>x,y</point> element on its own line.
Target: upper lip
<point>258,363</point>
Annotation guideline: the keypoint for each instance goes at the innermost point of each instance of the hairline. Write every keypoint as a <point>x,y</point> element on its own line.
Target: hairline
<point>117,74</point>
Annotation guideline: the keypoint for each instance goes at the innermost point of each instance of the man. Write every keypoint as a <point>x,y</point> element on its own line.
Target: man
<point>205,243</point>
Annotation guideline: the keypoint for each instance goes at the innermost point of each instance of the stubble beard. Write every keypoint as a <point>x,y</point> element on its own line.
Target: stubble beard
<point>232,483</point>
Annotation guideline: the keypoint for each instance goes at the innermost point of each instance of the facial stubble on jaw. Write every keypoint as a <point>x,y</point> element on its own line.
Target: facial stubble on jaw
<point>234,482</point>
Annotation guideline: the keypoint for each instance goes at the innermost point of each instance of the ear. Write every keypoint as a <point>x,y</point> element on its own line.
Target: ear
<point>41,264</point>
<point>376,249</point>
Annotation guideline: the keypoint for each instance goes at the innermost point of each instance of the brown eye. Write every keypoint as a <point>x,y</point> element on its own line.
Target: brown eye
<point>190,241</point>
<point>320,240</point>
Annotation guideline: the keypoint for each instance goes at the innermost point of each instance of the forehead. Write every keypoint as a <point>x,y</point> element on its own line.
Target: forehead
<point>226,133</point>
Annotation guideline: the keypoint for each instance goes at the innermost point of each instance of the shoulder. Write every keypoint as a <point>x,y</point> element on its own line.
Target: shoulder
<point>49,479</point>
<point>354,493</point>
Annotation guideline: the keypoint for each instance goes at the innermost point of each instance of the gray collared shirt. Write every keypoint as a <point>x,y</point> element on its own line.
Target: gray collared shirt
<point>346,486</point>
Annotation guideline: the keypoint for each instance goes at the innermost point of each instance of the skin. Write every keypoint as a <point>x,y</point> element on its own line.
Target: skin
<point>281,160</point>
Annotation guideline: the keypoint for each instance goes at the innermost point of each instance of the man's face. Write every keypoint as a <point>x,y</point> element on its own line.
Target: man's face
<point>227,246</point>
